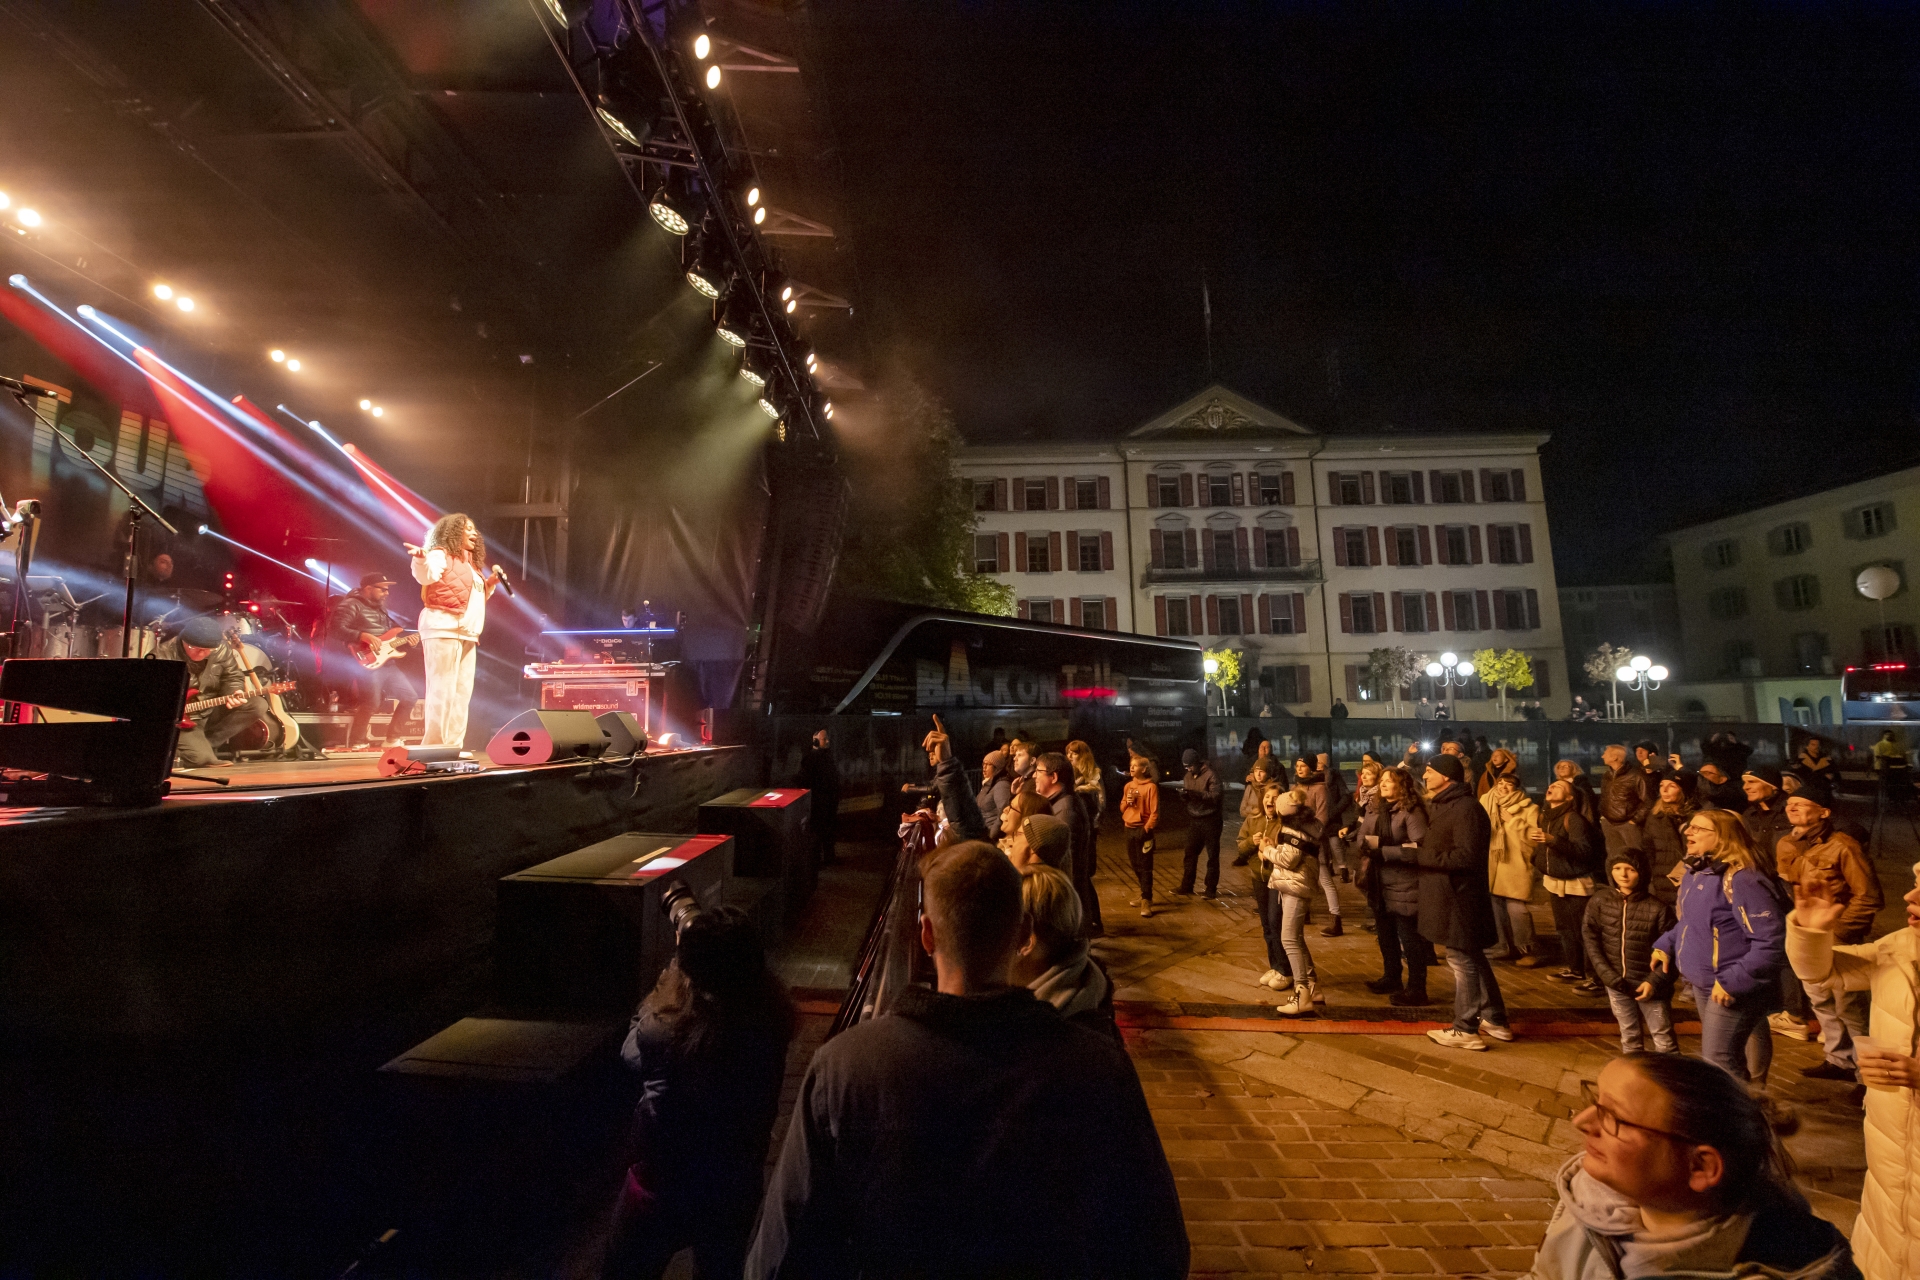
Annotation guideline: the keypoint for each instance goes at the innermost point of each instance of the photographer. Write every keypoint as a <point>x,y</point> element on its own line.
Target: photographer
<point>710,1044</point>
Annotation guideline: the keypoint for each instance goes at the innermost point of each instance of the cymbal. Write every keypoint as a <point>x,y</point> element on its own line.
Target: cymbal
<point>269,602</point>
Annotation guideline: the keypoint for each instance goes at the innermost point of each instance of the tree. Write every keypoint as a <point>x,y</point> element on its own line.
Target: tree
<point>1392,668</point>
<point>1223,671</point>
<point>1600,666</point>
<point>910,519</point>
<point>1503,669</point>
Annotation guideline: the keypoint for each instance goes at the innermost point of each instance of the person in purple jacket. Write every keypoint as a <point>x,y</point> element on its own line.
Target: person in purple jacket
<point>1729,943</point>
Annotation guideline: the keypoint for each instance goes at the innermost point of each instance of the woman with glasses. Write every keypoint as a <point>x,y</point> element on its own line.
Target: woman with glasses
<point>1680,1173</point>
<point>1729,942</point>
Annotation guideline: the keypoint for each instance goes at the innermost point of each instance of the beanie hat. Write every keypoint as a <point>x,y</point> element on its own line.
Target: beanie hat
<point>1647,745</point>
<point>1687,780</point>
<point>1764,773</point>
<point>1818,791</point>
<point>996,760</point>
<point>1189,757</point>
<point>1448,767</point>
<point>1289,803</point>
<point>202,633</point>
<point>1047,837</point>
<point>1638,859</point>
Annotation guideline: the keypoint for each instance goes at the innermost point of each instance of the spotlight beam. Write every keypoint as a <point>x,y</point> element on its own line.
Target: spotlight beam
<point>255,551</point>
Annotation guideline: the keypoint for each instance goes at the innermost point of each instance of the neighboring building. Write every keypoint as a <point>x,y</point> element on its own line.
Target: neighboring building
<point>1643,617</point>
<point>1225,521</point>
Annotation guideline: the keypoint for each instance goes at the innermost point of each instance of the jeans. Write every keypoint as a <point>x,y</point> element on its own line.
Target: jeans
<point>1513,921</point>
<point>449,689</point>
<point>1330,877</point>
<point>1631,1014</point>
<point>1203,836</point>
<point>1269,921</point>
<point>1569,909</point>
<point>1842,1015</point>
<point>1142,861</point>
<point>371,689</point>
<point>1476,992</point>
<point>1290,918</point>
<point>1400,939</point>
<point>195,747</point>
<point>1735,1038</point>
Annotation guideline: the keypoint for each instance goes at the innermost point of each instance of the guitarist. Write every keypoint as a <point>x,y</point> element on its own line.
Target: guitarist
<point>214,672</point>
<point>360,618</point>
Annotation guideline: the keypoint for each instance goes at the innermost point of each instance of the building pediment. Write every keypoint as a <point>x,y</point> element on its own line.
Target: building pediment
<point>1217,413</point>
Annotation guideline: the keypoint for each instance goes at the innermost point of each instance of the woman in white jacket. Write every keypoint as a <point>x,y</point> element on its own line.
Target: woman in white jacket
<point>1886,1239</point>
<point>1290,856</point>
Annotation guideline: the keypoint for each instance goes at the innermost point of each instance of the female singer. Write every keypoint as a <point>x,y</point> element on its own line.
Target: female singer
<point>453,599</point>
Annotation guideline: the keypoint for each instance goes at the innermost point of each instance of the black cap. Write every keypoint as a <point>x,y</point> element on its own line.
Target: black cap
<point>1818,791</point>
<point>376,580</point>
<point>1448,767</point>
<point>1764,773</point>
<point>202,633</point>
<point>1189,757</point>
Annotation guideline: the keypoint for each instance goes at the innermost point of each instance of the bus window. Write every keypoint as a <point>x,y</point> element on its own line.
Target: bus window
<point>1881,691</point>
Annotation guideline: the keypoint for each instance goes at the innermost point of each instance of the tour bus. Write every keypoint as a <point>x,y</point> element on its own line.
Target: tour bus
<point>1880,692</point>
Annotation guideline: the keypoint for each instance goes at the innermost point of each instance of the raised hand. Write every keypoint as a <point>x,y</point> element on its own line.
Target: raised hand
<point>936,744</point>
<point>1814,908</point>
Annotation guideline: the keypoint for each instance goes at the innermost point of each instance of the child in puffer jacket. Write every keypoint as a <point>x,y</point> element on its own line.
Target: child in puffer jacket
<point>1622,921</point>
<point>1291,855</point>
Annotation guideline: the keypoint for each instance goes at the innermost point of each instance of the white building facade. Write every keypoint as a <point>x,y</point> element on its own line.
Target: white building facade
<point>1224,521</point>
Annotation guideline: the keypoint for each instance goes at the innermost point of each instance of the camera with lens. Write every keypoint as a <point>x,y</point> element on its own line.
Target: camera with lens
<point>680,904</point>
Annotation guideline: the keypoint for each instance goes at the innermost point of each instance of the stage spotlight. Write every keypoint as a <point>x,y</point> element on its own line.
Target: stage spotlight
<point>378,412</point>
<point>770,398</point>
<point>559,14</point>
<point>277,356</point>
<point>780,430</point>
<point>708,273</point>
<point>753,196</point>
<point>792,305</point>
<point>759,215</point>
<point>671,207</point>
<point>366,404</point>
<point>826,410</point>
<point>702,46</point>
<point>164,292</point>
<point>183,302</point>
<point>5,200</point>
<point>203,528</point>
<point>813,362</point>
<point>619,127</point>
<point>753,367</point>
<point>713,77</point>
<point>736,319</point>
<point>31,217</point>
<point>293,366</point>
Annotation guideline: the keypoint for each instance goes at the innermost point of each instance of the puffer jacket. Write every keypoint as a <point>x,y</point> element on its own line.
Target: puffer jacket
<point>1834,858</point>
<point>1728,928</point>
<point>1509,851</point>
<point>1618,930</point>
<point>1293,858</point>
<point>1628,796</point>
<point>1572,844</point>
<point>1392,871</point>
<point>993,799</point>
<point>1667,845</point>
<point>1455,908</point>
<point>1886,1236</point>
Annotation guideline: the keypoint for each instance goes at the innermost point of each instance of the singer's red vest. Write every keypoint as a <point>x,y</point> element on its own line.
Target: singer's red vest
<point>452,589</point>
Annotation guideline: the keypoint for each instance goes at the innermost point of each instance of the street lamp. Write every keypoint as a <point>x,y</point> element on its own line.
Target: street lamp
<point>1641,675</point>
<point>1212,667</point>
<point>1450,671</point>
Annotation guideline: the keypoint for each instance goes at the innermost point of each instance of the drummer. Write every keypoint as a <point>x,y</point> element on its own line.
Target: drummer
<point>213,671</point>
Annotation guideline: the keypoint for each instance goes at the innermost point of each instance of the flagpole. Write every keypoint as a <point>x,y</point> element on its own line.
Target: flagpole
<point>1206,317</point>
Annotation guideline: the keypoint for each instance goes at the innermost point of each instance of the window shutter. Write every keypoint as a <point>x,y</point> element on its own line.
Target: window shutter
<point>1002,561</point>
<point>1186,488</point>
<point>1053,493</point>
<point>1386,486</point>
<point>1020,555</point>
<point>1206,552</point>
<point>1850,523</point>
<point>1519,484</point>
<point>1019,493</point>
<point>1300,614</point>
<point>1073,548</point>
<point>1486,484</point>
<point>1333,488</point>
<point>1399,612</point>
<point>1446,606</point>
<point>1419,487</point>
<point>1159,615</point>
<point>1106,551</point>
<point>1542,679</point>
<point>1466,485</point>
<point>1069,494</point>
<point>1106,493</point>
<point>1340,546</point>
<point>1286,488</point>
<point>1193,612</point>
<point>1480,612</point>
<point>1192,539</point>
<point>1353,683</point>
<point>1293,548</point>
<point>1053,552</point>
<point>1240,553</point>
<point>1259,548</point>
<point>1303,683</point>
<point>1266,616</point>
<point>1153,489</point>
<point>1239,490</point>
<point>1373,544</point>
<point>1426,544</point>
<point>1533,609</point>
<point>1526,541</point>
<point>1499,611</point>
<point>1379,611</point>
<point>1155,540</point>
<point>1433,613</point>
<point>1473,540</point>
<point>1023,609</point>
<point>1440,543</point>
<point>1000,494</point>
<point>1346,614</point>
<point>1393,547</point>
<point>1213,615</point>
<point>1060,613</point>
<point>1433,478</point>
<point>1111,614</point>
<point>1366,488</point>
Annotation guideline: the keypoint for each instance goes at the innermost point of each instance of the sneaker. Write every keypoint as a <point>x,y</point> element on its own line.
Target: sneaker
<point>1412,998</point>
<point>1502,954</point>
<point>1529,962</point>
<point>1451,1039</point>
<point>1209,894</point>
<point>1266,979</point>
<point>1281,981</point>
<point>1494,1031</point>
<point>1830,1071</point>
<point>1588,987</point>
<point>1300,1006</point>
<point>1146,910</point>
<point>1384,986</point>
<point>1333,930</point>
<point>1133,902</point>
<point>1568,975</point>
<point>1785,1024</point>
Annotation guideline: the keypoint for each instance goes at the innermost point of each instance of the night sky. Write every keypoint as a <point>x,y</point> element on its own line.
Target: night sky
<point>1684,242</point>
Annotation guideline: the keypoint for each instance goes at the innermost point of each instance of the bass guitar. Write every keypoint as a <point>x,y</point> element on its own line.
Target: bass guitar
<point>233,699</point>
<point>385,648</point>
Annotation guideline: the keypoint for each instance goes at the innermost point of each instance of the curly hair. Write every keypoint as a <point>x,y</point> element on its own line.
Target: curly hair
<point>446,535</point>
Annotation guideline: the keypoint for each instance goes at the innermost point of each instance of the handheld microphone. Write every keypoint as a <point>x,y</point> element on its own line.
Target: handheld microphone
<point>501,574</point>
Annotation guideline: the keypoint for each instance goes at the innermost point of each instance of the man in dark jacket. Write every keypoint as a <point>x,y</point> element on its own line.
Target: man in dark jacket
<point>971,1131</point>
<point>1053,780</point>
<point>950,784</point>
<point>1456,907</point>
<point>213,671</point>
<point>358,620</point>
<point>1646,753</point>
<point>1200,791</point>
<point>1626,798</point>
<point>821,775</point>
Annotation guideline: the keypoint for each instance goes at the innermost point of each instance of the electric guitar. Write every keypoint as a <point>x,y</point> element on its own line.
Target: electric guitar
<point>234,699</point>
<point>385,648</point>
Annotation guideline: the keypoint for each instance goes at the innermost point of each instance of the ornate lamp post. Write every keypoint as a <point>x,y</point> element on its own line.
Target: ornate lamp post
<point>1640,676</point>
<point>1449,672</point>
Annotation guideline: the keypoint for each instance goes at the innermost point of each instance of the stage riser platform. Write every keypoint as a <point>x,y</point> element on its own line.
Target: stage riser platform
<point>228,918</point>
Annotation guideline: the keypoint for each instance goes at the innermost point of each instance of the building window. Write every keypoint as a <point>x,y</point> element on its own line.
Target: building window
<point>1790,539</point>
<point>983,495</point>
<point>1728,602</point>
<point>1347,485</point>
<point>1466,617</point>
<point>1281,619</point>
<point>1172,546</point>
<point>1036,494</point>
<point>1168,485</point>
<point>1089,552</point>
<point>1499,486</point>
<point>1267,489</point>
<point>1723,554</point>
<point>1503,544</point>
<point>1277,556</point>
<point>1284,682</point>
<point>1086,495</point>
<point>1177,622</point>
<point>1229,615</point>
<point>1406,546</point>
<point>1871,522</point>
<point>1514,603</point>
<point>986,553</point>
<point>1037,559</point>
<point>1811,654</point>
<point>1362,606</point>
<point>1448,488</point>
<point>1216,489</point>
<point>1093,613</point>
<point>1040,611</point>
<point>1222,540</point>
<point>1399,488</point>
<point>1801,591</point>
<point>1356,540</point>
<point>1413,611</point>
<point>1737,658</point>
<point>1458,552</point>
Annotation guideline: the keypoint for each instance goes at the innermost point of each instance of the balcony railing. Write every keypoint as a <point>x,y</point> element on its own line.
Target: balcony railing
<point>1306,571</point>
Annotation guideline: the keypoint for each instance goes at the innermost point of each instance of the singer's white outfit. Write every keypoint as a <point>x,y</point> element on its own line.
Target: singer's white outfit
<point>453,613</point>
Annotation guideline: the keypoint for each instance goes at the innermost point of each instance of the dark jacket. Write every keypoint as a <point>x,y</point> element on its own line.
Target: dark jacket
<point>993,799</point>
<point>1835,859</point>
<point>1200,790</point>
<point>956,797</point>
<point>1072,810</point>
<point>1667,846</point>
<point>1573,847</point>
<point>219,675</point>
<point>1619,931</point>
<point>1392,872</point>
<point>1627,796</point>
<point>970,1136</point>
<point>1768,825</point>
<point>1456,907</point>
<point>1720,795</point>
<point>821,775</point>
<point>354,613</point>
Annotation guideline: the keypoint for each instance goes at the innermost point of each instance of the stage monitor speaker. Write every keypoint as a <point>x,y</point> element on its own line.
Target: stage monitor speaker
<point>395,761</point>
<point>123,759</point>
<point>623,732</point>
<point>542,737</point>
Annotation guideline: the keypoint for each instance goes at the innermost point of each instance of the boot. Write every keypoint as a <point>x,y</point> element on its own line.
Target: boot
<point>1333,930</point>
<point>1300,1005</point>
<point>1412,997</point>
<point>1384,985</point>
